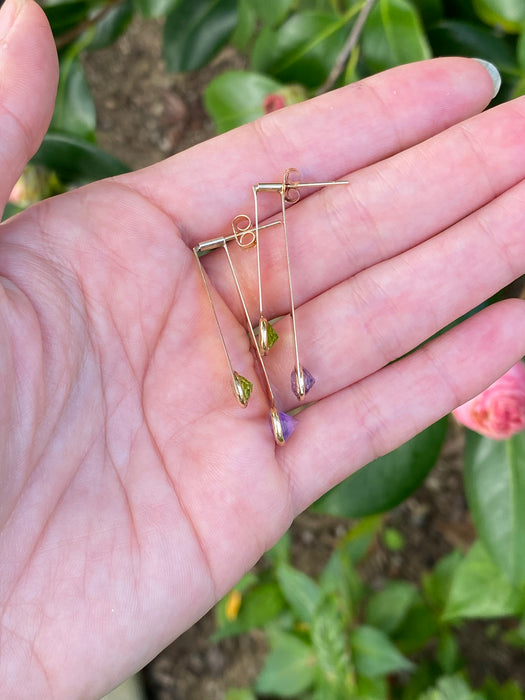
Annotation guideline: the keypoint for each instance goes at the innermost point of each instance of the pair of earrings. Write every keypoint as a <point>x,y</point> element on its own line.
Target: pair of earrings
<point>246,235</point>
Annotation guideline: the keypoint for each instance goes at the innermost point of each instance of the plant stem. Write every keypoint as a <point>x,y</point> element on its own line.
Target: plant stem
<point>347,49</point>
<point>80,28</point>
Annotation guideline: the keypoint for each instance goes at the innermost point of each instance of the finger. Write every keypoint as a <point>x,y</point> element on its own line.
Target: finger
<point>371,418</point>
<point>325,138</point>
<point>28,78</point>
<point>387,208</point>
<point>382,313</point>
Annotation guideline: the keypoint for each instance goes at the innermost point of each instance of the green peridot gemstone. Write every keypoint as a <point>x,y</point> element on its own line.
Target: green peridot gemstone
<point>245,387</point>
<point>272,335</point>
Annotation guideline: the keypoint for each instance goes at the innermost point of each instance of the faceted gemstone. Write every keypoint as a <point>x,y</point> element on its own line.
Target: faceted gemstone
<point>288,423</point>
<point>272,335</point>
<point>267,336</point>
<point>282,425</point>
<point>309,381</point>
<point>243,388</point>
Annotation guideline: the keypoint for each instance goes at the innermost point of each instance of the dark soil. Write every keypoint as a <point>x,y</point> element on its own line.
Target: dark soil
<point>145,115</point>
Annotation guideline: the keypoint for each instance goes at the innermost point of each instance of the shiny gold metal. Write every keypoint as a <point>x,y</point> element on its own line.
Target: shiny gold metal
<point>236,381</point>
<point>246,236</point>
<point>262,338</point>
<point>251,333</point>
<point>288,189</point>
<point>277,427</point>
<point>238,234</point>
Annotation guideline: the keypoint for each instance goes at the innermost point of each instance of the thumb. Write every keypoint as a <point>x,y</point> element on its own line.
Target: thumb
<point>28,80</point>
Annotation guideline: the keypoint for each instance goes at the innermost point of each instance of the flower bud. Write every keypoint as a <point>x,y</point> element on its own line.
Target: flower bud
<point>290,94</point>
<point>35,183</point>
<point>499,411</point>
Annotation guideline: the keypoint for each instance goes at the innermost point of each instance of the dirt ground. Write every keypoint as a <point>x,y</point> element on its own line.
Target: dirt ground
<point>145,114</point>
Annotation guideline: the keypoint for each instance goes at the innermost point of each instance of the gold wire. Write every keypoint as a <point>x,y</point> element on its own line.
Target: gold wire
<point>226,353</point>
<point>269,391</point>
<point>285,188</point>
<point>298,370</point>
<point>214,243</point>
<point>256,214</point>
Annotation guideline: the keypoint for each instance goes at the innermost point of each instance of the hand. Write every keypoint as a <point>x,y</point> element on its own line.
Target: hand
<point>134,490</point>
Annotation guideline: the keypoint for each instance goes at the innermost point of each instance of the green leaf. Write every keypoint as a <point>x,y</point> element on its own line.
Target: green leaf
<point>520,51</point>
<point>195,31</point>
<point>451,688</point>
<point>508,15</point>
<point>417,627</point>
<point>387,481</point>
<point>112,25</point>
<point>289,669</point>
<point>246,24</point>
<point>448,654</point>
<point>430,11</point>
<point>437,583</point>
<point>76,162</point>
<point>239,694</point>
<point>272,12</point>
<point>280,552</point>
<point>424,676</point>
<point>340,578</point>
<point>458,38</point>
<point>393,35</point>
<point>518,89</point>
<point>374,654</point>
<point>300,591</point>
<point>494,691</point>
<point>372,689</point>
<point>74,107</point>
<point>248,581</point>
<point>260,605</point>
<point>10,210</point>
<point>393,539</point>
<point>237,97</point>
<point>155,8</point>
<point>388,608</point>
<point>329,638</point>
<point>480,590</point>
<point>302,50</point>
<point>495,487</point>
<point>65,16</point>
<point>359,539</point>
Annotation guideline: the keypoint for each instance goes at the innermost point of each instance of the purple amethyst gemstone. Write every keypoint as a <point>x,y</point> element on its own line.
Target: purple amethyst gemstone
<point>288,423</point>
<point>309,381</point>
<point>282,425</point>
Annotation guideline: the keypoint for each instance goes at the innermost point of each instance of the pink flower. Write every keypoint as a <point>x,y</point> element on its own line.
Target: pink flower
<point>499,411</point>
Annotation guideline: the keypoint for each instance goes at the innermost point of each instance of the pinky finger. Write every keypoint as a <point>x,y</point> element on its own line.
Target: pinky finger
<point>345,431</point>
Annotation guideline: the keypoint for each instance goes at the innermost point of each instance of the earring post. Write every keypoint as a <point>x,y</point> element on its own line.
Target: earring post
<point>215,243</point>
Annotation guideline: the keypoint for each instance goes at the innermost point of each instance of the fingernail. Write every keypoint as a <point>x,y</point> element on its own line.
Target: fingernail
<point>494,74</point>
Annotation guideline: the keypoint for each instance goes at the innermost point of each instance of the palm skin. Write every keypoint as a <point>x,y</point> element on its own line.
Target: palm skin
<point>135,491</point>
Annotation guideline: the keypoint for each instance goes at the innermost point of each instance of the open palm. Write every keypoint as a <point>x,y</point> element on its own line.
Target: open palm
<point>135,491</point>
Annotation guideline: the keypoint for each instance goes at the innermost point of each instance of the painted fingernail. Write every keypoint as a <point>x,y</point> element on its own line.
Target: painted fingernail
<point>494,74</point>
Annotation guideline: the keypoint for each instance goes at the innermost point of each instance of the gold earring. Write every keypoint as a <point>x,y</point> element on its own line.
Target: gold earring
<point>246,235</point>
<point>301,379</point>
